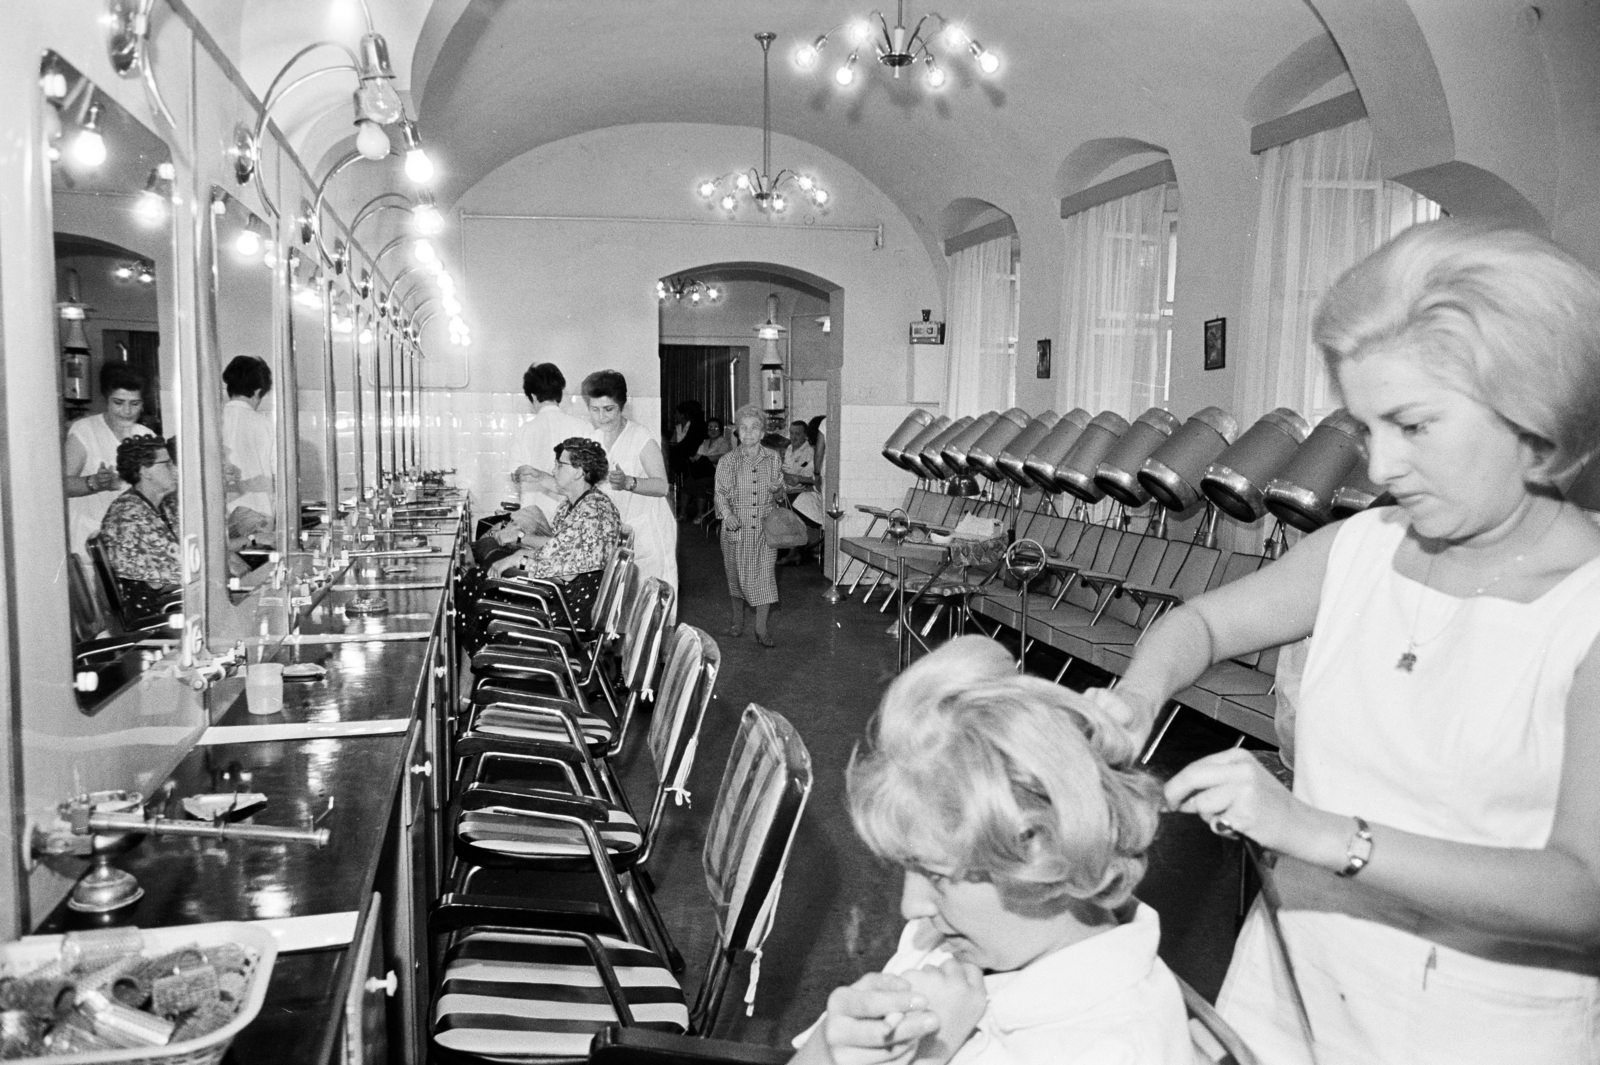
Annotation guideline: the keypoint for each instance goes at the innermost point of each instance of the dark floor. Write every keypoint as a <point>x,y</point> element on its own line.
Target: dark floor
<point>839,914</point>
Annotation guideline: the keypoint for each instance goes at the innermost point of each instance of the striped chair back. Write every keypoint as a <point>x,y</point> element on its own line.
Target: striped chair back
<point>688,680</point>
<point>608,598</point>
<point>629,584</point>
<point>644,634</point>
<point>764,789</point>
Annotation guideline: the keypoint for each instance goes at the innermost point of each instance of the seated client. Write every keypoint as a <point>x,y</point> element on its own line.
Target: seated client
<point>585,530</point>
<point>1020,817</point>
<point>139,532</point>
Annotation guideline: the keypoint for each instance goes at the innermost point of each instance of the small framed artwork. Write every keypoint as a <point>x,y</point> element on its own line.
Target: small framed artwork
<point>1042,371</point>
<point>1216,343</point>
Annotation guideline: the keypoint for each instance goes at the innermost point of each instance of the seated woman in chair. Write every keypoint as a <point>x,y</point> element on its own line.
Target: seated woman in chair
<point>1021,818</point>
<point>586,528</point>
<point>139,533</point>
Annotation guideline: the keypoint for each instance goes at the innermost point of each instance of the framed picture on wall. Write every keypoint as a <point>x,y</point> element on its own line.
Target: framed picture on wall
<point>1043,369</point>
<point>1216,343</point>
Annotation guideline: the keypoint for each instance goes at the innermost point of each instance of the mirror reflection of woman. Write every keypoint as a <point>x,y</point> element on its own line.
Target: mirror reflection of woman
<point>140,531</point>
<point>90,459</point>
<point>637,482</point>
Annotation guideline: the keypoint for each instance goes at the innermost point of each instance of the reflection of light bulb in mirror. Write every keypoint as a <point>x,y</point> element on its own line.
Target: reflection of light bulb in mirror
<point>419,168</point>
<point>269,258</point>
<point>54,83</point>
<point>123,272</point>
<point>151,208</point>
<point>366,335</point>
<point>372,141</point>
<point>247,243</point>
<point>88,147</point>
<point>427,219</point>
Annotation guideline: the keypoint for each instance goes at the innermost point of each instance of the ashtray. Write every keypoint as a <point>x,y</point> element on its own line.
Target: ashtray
<point>227,805</point>
<point>303,671</point>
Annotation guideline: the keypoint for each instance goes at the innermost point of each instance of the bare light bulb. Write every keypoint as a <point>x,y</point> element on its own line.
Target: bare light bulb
<point>805,57</point>
<point>708,189</point>
<point>445,282</point>
<point>847,73</point>
<point>247,243</point>
<point>427,219</point>
<point>860,30</point>
<point>372,140</point>
<point>954,35</point>
<point>419,168</point>
<point>365,335</point>
<point>820,197</point>
<point>988,62</point>
<point>424,252</point>
<point>935,76</point>
<point>779,203</point>
<point>451,305</point>
<point>151,208</point>
<point>805,182</point>
<point>728,203</point>
<point>743,181</point>
<point>89,148</point>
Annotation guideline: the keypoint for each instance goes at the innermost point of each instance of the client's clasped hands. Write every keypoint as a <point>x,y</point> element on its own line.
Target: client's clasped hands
<point>923,1016</point>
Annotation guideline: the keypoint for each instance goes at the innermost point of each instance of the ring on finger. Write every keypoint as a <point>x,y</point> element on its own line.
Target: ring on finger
<point>1224,829</point>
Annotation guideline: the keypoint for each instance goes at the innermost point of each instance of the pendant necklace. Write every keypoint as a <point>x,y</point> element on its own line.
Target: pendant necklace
<point>1408,657</point>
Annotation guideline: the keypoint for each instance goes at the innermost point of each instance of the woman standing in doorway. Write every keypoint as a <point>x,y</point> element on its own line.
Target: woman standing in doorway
<point>637,482</point>
<point>749,483</point>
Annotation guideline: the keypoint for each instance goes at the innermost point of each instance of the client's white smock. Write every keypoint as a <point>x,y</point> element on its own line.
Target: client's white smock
<point>1467,746</point>
<point>655,532</point>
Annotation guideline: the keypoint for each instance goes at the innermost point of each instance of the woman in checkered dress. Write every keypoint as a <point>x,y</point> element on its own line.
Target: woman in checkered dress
<point>749,480</point>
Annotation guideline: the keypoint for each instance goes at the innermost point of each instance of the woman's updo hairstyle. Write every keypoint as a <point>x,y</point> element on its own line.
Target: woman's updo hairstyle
<point>1499,314</point>
<point>1006,778</point>
<point>587,455</point>
<point>137,452</point>
<point>607,384</point>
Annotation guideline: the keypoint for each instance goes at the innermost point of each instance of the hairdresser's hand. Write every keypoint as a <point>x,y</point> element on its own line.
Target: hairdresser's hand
<point>956,994</point>
<point>1232,793</point>
<point>877,1020</point>
<point>1132,712</point>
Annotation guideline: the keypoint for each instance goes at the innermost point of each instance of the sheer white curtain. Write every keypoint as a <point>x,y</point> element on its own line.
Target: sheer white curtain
<point>979,375</point>
<point>1323,208</point>
<point>1112,357</point>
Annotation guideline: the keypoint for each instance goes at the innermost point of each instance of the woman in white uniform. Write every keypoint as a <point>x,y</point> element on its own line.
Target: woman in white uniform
<point>1439,857</point>
<point>637,482</point>
<point>90,459</point>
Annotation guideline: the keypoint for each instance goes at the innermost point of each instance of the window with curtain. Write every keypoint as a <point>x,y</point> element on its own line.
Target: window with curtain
<point>1116,304</point>
<point>1324,207</point>
<point>980,374</point>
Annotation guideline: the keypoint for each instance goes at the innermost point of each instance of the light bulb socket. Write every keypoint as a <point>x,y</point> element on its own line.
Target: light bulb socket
<point>376,99</point>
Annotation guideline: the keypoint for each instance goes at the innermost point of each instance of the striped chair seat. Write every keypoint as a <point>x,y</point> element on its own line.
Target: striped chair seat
<point>598,731</point>
<point>525,996</point>
<point>531,836</point>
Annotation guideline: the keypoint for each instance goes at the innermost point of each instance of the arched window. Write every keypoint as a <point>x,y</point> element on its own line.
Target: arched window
<point>1324,207</point>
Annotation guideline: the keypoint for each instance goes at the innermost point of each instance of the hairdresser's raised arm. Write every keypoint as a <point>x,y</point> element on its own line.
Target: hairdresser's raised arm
<point>1275,605</point>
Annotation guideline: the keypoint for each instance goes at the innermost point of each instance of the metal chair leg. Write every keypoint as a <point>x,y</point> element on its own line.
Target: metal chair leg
<point>1169,714</point>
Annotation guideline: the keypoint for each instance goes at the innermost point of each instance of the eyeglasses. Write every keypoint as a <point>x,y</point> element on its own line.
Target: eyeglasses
<point>568,465</point>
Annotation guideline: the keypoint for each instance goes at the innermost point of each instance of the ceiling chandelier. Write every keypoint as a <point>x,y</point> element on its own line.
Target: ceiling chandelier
<point>693,290</point>
<point>761,186</point>
<point>897,48</point>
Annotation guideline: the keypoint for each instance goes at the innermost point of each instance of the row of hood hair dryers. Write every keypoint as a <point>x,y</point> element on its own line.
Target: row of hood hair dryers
<point>1304,477</point>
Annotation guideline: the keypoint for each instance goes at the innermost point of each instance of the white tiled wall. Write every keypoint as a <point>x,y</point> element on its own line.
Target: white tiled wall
<point>471,432</point>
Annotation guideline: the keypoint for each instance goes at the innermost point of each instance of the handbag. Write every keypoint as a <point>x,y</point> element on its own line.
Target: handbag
<point>783,528</point>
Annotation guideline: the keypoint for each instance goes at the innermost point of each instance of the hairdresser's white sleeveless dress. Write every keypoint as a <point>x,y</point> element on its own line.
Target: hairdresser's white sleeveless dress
<point>1467,747</point>
<point>655,533</point>
<point>85,513</point>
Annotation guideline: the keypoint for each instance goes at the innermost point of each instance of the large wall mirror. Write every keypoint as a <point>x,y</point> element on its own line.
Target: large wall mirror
<point>112,204</point>
<point>243,261</point>
<point>309,356</point>
<point>347,395</point>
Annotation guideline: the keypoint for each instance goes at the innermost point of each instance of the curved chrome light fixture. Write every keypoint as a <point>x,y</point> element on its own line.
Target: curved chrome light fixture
<point>763,188</point>
<point>897,48</point>
<point>128,44</point>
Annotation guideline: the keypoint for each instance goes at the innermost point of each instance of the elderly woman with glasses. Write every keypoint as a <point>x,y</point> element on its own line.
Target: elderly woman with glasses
<point>139,533</point>
<point>749,482</point>
<point>585,530</point>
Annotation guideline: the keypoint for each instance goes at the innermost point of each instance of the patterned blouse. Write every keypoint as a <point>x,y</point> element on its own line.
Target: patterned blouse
<point>141,541</point>
<point>585,531</point>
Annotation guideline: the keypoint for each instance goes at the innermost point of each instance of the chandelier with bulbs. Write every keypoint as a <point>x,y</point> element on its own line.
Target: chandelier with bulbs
<point>898,48</point>
<point>767,191</point>
<point>687,290</point>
